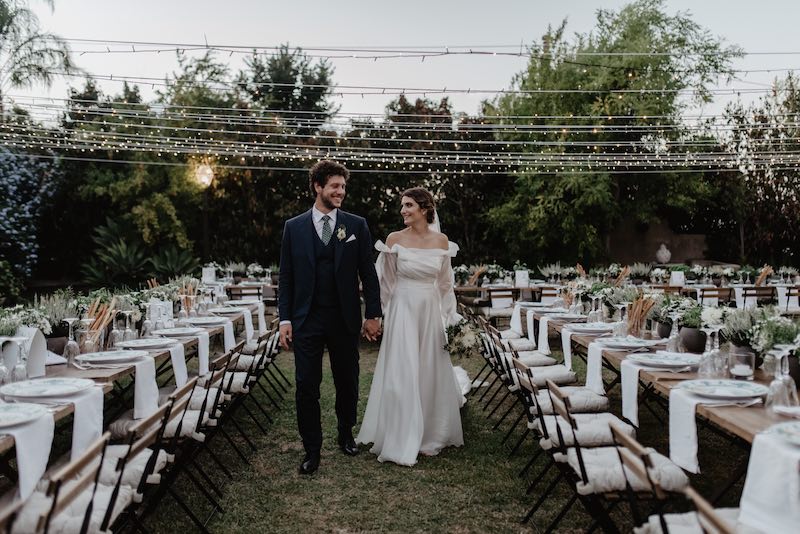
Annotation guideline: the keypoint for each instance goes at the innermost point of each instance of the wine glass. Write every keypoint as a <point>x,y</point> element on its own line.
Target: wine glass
<point>788,382</point>
<point>147,324</point>
<point>115,336</point>
<point>128,334</point>
<point>71,349</point>
<point>20,370</point>
<point>673,342</point>
<point>84,338</point>
<point>777,395</point>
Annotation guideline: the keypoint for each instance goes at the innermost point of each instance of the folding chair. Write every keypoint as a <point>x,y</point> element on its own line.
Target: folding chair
<point>758,295</point>
<point>548,294</point>
<point>243,292</point>
<point>714,296</point>
<point>793,299</point>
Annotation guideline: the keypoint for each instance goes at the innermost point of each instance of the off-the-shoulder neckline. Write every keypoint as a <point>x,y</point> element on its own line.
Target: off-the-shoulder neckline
<point>451,247</point>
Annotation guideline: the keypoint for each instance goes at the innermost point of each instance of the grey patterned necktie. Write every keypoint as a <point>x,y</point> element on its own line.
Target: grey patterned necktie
<point>327,231</point>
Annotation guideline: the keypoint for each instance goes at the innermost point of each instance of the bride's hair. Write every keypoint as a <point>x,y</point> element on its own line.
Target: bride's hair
<point>423,197</point>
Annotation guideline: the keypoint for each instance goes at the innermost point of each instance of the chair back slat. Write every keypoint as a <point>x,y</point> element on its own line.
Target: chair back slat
<point>706,513</point>
<point>636,458</point>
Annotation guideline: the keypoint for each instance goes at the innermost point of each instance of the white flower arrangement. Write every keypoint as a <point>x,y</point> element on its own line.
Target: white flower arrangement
<point>658,273</point>
<point>463,339</point>
<point>772,331</point>
<point>614,269</point>
<point>495,272</point>
<point>698,270</point>
<point>26,316</point>
<point>641,270</point>
<point>461,273</point>
<point>786,270</point>
<point>713,316</point>
<point>255,269</point>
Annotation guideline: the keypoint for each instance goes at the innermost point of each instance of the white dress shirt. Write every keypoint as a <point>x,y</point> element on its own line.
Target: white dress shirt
<point>317,215</point>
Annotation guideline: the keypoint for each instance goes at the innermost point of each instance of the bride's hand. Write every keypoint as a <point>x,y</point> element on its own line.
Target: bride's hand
<point>372,329</point>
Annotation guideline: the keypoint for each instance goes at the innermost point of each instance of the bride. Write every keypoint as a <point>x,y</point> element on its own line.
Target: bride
<point>414,401</point>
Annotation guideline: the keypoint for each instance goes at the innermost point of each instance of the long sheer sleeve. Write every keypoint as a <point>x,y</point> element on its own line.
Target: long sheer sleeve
<point>386,267</point>
<point>445,281</point>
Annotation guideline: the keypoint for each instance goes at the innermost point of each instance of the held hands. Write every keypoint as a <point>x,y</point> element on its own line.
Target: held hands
<point>286,335</point>
<point>372,329</point>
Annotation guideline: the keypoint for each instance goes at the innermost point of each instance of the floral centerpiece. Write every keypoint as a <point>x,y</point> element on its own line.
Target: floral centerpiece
<point>550,271</point>
<point>773,330</point>
<point>658,275</point>
<point>218,270</point>
<point>56,307</point>
<point>461,274</point>
<point>463,339</point>
<point>696,272</point>
<point>238,268</point>
<point>29,316</point>
<point>255,270</point>
<point>8,323</point>
<point>640,271</point>
<point>495,272</point>
<point>613,270</point>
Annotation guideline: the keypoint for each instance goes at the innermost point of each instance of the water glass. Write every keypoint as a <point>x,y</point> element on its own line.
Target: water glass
<point>741,365</point>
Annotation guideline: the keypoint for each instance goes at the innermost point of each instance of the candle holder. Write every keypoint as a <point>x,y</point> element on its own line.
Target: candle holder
<point>741,365</point>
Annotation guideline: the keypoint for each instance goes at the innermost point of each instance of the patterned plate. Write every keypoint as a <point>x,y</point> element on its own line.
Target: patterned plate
<point>207,321</point>
<point>177,332</point>
<point>666,360</point>
<point>46,387</point>
<point>629,342</point>
<point>724,389</point>
<point>789,431</point>
<point>111,356</point>
<point>227,311</point>
<point>146,343</point>
<point>16,413</point>
<point>592,328</point>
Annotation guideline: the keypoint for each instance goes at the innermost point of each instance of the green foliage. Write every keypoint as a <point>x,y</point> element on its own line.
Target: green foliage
<point>10,285</point>
<point>173,261</point>
<point>569,215</point>
<point>691,318</point>
<point>116,261</point>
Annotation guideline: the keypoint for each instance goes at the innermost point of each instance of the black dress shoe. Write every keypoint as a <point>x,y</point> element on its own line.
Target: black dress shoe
<point>310,463</point>
<point>348,446</point>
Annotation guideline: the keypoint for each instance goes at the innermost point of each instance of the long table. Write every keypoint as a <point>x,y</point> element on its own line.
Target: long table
<point>108,377</point>
<point>743,422</point>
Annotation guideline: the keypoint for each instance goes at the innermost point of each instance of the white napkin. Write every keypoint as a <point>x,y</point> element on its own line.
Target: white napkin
<point>531,330</point>
<point>262,321</point>
<point>566,346</point>
<point>55,359</point>
<point>544,343</point>
<point>248,324</point>
<point>33,441</point>
<point>87,423</point>
<point>630,389</point>
<point>683,428</point>
<point>771,496</point>
<point>516,319</point>
<point>177,355</point>
<point>788,411</point>
<point>145,389</point>
<point>228,339</point>
<point>594,368</point>
<point>202,353</point>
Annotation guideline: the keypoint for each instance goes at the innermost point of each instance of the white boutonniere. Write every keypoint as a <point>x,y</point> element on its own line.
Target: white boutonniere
<point>341,232</point>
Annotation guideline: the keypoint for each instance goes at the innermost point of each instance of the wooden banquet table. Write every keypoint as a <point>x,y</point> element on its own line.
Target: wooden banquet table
<point>742,422</point>
<point>109,377</point>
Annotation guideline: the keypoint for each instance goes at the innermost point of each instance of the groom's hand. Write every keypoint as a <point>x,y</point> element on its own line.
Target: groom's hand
<point>286,335</point>
<point>372,329</point>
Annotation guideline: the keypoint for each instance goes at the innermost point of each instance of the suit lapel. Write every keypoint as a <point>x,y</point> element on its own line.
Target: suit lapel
<point>338,244</point>
<point>311,232</point>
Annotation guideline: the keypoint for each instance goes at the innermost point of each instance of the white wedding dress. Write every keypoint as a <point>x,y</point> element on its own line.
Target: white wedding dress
<point>416,394</point>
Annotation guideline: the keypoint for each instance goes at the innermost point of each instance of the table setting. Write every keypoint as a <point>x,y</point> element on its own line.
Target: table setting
<point>32,426</point>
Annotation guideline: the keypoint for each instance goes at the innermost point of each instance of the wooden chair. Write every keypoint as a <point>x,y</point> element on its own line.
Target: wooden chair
<point>793,298</point>
<point>713,296</point>
<point>707,515</point>
<point>548,294</point>
<point>758,295</point>
<point>8,514</point>
<point>243,292</point>
<point>666,289</point>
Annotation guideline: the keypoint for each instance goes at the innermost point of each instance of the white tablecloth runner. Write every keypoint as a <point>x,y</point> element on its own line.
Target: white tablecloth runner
<point>202,353</point>
<point>771,496</point>
<point>145,388</point>
<point>529,316</point>
<point>544,343</point>
<point>566,346</point>
<point>248,324</point>
<point>630,389</point>
<point>594,368</point>
<point>516,319</point>
<point>262,321</point>
<point>228,338</point>
<point>32,442</point>
<point>177,356</point>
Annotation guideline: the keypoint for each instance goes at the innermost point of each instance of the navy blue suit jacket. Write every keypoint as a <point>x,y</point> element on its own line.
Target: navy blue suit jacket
<point>353,259</point>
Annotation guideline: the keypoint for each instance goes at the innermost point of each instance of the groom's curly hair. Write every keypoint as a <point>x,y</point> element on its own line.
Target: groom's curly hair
<point>323,170</point>
<point>424,199</point>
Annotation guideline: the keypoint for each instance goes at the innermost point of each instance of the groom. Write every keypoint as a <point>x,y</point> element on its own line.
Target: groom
<point>324,252</point>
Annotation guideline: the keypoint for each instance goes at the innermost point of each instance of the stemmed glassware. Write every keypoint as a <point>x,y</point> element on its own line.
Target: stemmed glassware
<point>3,369</point>
<point>71,349</point>
<point>116,335</point>
<point>129,334</point>
<point>673,342</point>
<point>784,349</point>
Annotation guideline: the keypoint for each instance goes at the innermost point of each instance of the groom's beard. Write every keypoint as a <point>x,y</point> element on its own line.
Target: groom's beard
<point>328,203</point>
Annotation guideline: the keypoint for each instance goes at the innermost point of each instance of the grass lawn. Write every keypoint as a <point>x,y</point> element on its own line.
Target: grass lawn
<point>470,489</point>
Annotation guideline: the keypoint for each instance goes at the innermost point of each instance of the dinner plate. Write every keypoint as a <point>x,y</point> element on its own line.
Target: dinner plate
<point>16,413</point>
<point>207,321</point>
<point>629,342</point>
<point>666,360</point>
<point>146,343</point>
<point>534,304</point>
<point>724,389</point>
<point>548,311</point>
<point>568,316</point>
<point>178,332</point>
<point>46,387</point>
<point>227,311</point>
<point>592,328</point>
<point>240,302</point>
<point>111,356</point>
<point>789,431</point>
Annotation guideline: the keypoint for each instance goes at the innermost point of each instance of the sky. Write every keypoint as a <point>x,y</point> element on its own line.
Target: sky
<point>764,26</point>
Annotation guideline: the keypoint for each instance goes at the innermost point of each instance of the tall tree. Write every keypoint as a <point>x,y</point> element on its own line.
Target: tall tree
<point>567,212</point>
<point>28,55</point>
